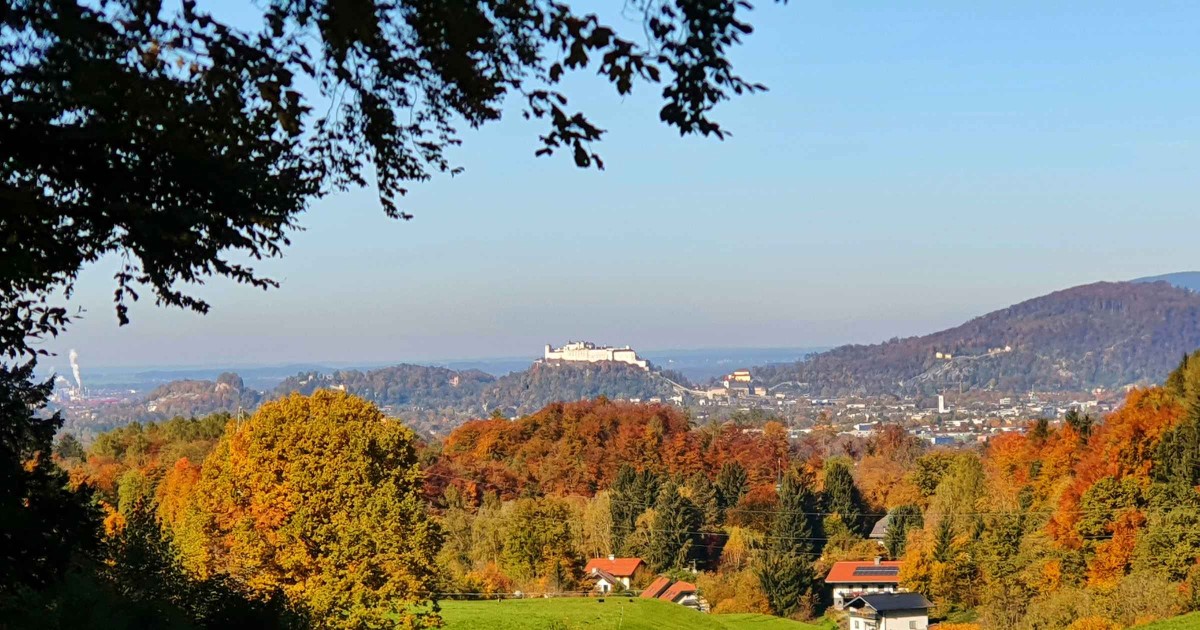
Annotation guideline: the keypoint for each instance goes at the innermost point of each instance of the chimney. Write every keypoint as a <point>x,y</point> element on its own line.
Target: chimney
<point>613,557</point>
<point>877,559</point>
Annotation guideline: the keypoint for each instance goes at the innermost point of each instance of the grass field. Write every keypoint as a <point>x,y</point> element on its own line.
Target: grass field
<point>1186,622</point>
<point>588,614</point>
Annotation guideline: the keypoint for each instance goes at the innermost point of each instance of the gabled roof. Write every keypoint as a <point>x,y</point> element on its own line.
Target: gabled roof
<point>678,590</point>
<point>886,572</point>
<point>604,575</point>
<point>879,532</point>
<point>883,602</point>
<point>620,567</point>
<point>656,587</point>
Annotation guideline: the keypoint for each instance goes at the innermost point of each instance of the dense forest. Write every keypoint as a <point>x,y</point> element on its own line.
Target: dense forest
<point>1084,523</point>
<point>1107,334</point>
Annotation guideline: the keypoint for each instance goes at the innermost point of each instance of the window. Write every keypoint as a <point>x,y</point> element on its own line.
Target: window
<point>912,625</point>
<point>856,626</point>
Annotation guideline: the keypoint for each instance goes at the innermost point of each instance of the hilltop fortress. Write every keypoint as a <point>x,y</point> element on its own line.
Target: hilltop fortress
<point>588,352</point>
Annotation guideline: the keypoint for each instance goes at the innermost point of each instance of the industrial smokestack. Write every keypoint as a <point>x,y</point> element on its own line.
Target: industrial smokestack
<point>75,369</point>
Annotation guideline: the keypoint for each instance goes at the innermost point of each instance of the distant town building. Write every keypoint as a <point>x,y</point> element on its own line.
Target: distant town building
<point>588,352</point>
<point>739,376</point>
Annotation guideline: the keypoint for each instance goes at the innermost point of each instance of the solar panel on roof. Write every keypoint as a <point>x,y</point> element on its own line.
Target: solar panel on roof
<point>876,571</point>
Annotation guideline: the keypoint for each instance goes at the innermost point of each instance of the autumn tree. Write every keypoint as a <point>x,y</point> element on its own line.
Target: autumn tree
<point>942,560</point>
<point>318,497</point>
<point>957,498</point>
<point>596,528</point>
<point>539,543</point>
<point>929,469</point>
<point>1004,591</point>
<point>1122,451</point>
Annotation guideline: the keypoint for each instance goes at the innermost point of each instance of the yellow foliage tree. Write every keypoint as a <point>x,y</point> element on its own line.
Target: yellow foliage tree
<point>318,498</point>
<point>1094,622</point>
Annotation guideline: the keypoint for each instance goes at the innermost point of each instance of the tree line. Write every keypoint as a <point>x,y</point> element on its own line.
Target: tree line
<point>321,510</point>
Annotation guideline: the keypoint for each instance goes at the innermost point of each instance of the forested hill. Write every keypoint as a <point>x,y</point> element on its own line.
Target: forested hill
<point>544,383</point>
<point>475,392</point>
<point>1184,279</point>
<point>434,399</point>
<point>1106,334</point>
<point>396,385</point>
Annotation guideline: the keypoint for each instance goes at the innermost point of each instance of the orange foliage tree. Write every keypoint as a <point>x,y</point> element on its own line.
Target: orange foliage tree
<point>1123,447</point>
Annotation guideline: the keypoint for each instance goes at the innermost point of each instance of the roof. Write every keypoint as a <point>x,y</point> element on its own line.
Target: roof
<point>677,590</point>
<point>879,532</point>
<point>656,587</point>
<point>620,567</point>
<point>886,572</point>
<point>604,575</point>
<point>883,602</point>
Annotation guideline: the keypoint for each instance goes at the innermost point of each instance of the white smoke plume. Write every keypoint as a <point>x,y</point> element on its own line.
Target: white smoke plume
<point>75,369</point>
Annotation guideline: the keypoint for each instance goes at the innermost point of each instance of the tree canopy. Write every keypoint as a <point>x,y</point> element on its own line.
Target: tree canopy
<point>186,144</point>
<point>317,498</point>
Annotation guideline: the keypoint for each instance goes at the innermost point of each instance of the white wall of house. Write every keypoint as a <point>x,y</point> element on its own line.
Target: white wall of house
<point>843,593</point>
<point>904,620</point>
<point>892,620</point>
<point>604,586</point>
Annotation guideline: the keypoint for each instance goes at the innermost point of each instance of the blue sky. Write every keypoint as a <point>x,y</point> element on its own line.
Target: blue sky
<point>908,169</point>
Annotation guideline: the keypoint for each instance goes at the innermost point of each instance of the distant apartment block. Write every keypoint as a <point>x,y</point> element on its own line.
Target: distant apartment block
<point>588,352</point>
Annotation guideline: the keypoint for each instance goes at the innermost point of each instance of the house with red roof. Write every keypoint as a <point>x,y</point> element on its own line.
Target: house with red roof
<point>612,573</point>
<point>854,579</point>
<point>668,590</point>
<point>682,593</point>
<point>656,588</point>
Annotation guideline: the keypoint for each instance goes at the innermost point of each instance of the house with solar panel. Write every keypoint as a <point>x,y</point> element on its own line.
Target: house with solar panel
<point>854,579</point>
<point>889,611</point>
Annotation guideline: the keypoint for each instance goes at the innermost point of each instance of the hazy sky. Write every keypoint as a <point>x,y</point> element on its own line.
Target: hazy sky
<point>909,168</point>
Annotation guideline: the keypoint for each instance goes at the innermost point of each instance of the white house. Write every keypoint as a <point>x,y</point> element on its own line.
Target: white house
<point>852,579</point>
<point>612,573</point>
<point>889,611</point>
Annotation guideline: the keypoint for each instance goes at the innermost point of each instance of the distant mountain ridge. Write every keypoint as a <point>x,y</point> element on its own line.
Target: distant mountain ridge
<point>1107,334</point>
<point>1189,280</point>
